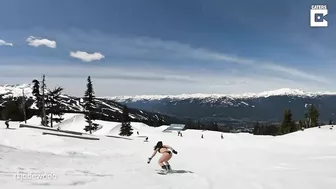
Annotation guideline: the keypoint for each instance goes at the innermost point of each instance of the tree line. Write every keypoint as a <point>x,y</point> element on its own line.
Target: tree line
<point>288,125</point>
<point>198,125</point>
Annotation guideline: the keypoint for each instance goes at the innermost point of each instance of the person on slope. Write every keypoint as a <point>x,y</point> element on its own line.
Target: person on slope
<point>7,123</point>
<point>166,155</point>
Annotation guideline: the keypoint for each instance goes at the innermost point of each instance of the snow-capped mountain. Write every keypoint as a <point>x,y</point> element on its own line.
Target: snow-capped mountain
<point>107,109</point>
<point>279,92</point>
<point>16,90</point>
<point>265,106</point>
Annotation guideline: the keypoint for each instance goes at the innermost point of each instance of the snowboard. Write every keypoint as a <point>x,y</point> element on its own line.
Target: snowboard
<point>163,172</point>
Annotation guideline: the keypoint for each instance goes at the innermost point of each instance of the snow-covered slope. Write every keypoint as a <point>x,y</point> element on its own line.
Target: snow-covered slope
<point>301,160</point>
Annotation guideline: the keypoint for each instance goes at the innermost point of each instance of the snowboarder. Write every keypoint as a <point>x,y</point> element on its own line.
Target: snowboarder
<point>166,155</point>
<point>7,124</point>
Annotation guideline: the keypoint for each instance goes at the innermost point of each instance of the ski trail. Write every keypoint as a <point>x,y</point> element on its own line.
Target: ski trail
<point>112,107</point>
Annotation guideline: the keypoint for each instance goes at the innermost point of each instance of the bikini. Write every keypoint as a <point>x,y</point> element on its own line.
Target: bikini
<point>169,152</point>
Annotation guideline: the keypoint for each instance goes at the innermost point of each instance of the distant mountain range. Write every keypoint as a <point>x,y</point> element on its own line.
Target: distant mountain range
<point>107,109</point>
<point>223,108</point>
<point>249,107</point>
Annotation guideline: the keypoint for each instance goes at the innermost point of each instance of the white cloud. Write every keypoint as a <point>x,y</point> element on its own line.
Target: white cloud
<point>4,43</point>
<point>36,42</point>
<point>272,67</point>
<point>87,57</point>
<point>184,50</point>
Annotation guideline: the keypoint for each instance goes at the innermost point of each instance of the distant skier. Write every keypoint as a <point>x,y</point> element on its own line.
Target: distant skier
<point>166,155</point>
<point>202,136</point>
<point>7,124</point>
<point>138,132</point>
<point>222,136</point>
<point>146,140</point>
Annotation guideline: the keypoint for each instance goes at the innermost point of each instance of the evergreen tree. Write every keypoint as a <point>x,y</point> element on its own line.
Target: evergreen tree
<point>263,129</point>
<point>307,122</point>
<point>12,109</point>
<point>126,128</point>
<point>54,105</point>
<point>313,115</point>
<point>330,122</point>
<point>189,124</point>
<point>23,106</point>
<point>36,89</point>
<point>44,120</point>
<point>38,97</point>
<point>287,124</point>
<point>294,127</point>
<point>215,126</point>
<point>272,130</point>
<point>301,125</point>
<point>199,125</point>
<point>89,105</point>
<point>256,129</point>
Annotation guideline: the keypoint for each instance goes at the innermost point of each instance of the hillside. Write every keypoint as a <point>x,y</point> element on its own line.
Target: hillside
<point>300,160</point>
<point>106,109</point>
<point>249,107</point>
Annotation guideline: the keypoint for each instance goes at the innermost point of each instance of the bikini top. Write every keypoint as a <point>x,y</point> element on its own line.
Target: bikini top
<point>159,148</point>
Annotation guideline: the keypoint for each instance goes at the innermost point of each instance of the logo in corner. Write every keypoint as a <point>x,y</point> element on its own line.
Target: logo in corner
<point>318,15</point>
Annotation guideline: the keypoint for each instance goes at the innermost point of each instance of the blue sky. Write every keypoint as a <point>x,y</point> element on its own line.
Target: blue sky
<point>137,47</point>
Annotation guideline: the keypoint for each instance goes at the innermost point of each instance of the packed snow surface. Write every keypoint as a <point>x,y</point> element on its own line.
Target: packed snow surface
<point>301,160</point>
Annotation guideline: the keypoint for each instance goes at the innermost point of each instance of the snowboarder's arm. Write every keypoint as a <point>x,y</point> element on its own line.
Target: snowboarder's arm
<point>169,147</point>
<point>154,153</point>
<point>150,158</point>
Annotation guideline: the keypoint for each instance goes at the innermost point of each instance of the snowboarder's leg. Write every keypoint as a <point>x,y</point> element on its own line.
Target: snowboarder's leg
<point>168,165</point>
<point>165,158</point>
<point>161,160</point>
